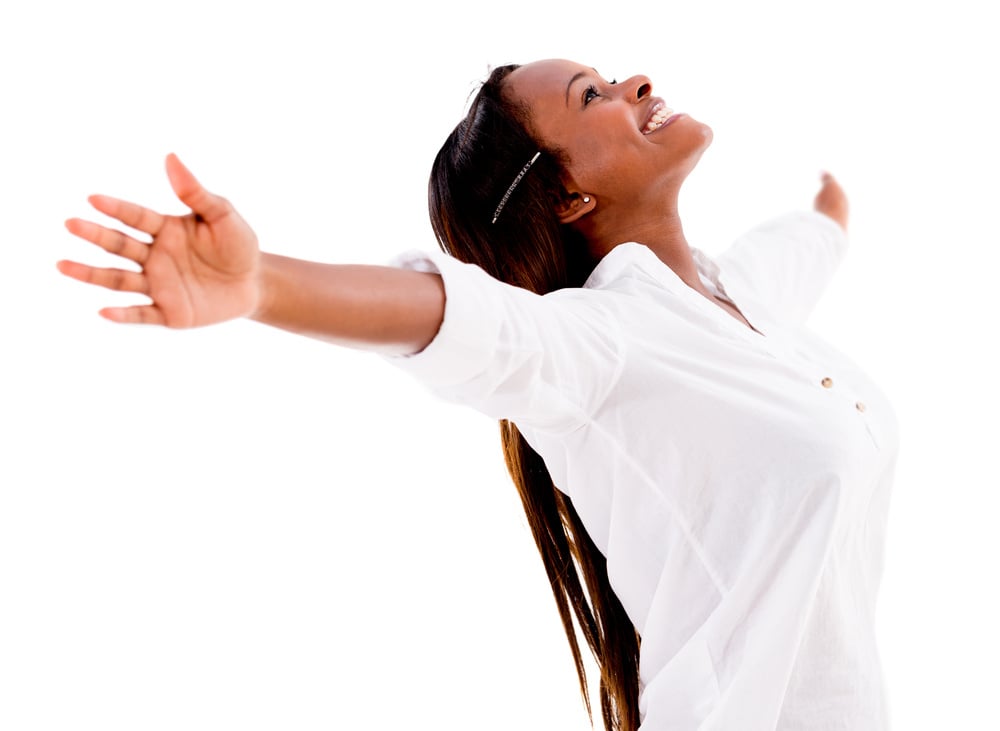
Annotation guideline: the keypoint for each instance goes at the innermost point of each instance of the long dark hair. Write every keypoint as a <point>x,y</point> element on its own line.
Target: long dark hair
<point>529,247</point>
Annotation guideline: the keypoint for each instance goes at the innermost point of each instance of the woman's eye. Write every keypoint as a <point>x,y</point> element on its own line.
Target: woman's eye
<point>590,94</point>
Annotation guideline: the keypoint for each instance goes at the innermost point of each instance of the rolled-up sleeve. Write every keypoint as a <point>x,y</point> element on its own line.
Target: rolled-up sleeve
<point>544,361</point>
<point>788,262</point>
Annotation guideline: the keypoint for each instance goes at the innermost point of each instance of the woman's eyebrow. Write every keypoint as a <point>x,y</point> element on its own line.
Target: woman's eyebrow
<point>577,75</point>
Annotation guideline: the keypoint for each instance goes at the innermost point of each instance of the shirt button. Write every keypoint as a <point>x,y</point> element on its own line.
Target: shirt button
<point>827,382</point>
<point>860,406</point>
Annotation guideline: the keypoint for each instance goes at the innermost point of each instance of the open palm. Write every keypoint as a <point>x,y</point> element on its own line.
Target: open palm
<point>199,269</point>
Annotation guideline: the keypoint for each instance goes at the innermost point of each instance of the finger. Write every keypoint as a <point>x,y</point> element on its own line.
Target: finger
<point>131,214</point>
<point>113,242</point>
<point>207,205</point>
<point>119,280</point>
<point>134,315</point>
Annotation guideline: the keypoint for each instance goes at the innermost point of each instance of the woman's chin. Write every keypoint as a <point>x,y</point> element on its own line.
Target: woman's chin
<point>707,133</point>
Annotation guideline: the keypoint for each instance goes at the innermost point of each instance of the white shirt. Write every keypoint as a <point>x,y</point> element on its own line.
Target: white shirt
<point>737,481</point>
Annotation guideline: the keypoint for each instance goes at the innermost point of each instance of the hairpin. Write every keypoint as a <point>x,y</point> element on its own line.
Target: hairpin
<point>503,201</point>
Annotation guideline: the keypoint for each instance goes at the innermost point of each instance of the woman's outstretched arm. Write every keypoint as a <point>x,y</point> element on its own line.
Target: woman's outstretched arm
<point>392,311</point>
<point>205,268</point>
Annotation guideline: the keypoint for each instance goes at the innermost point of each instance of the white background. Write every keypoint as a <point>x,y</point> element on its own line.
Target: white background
<point>234,528</point>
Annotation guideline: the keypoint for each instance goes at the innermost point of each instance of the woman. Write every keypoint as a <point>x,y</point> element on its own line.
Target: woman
<point>707,482</point>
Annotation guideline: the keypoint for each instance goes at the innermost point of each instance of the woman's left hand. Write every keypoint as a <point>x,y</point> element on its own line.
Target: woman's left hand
<point>832,201</point>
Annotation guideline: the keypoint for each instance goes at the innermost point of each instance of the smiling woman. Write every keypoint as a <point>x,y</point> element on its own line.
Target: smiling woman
<point>706,480</point>
<point>622,146</point>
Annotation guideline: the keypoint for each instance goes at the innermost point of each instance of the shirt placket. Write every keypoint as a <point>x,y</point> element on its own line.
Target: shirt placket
<point>846,397</point>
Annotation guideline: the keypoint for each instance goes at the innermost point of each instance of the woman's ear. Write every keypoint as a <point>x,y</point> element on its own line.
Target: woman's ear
<point>574,206</point>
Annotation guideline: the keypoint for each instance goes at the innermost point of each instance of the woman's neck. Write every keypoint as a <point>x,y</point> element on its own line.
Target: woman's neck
<point>660,230</point>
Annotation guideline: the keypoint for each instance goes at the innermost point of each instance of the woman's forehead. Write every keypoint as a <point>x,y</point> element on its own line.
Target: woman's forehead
<point>544,83</point>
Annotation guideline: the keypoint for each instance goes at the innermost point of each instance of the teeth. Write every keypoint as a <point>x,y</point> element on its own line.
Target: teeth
<point>661,116</point>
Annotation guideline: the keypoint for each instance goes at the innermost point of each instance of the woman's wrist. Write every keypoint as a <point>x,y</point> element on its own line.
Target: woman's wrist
<point>266,288</point>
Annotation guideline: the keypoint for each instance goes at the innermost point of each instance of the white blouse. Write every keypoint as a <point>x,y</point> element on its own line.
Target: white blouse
<point>737,481</point>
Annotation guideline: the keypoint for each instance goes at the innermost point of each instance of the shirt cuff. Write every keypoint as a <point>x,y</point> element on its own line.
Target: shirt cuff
<point>466,341</point>
<point>837,235</point>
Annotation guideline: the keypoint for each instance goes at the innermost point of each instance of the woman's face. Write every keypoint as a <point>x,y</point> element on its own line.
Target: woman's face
<point>623,143</point>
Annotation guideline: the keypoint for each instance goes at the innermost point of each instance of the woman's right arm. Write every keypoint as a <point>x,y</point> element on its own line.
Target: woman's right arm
<point>205,268</point>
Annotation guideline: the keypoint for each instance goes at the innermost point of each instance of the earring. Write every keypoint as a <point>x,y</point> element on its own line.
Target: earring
<point>586,199</point>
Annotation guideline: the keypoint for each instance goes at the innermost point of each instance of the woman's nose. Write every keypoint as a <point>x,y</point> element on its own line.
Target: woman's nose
<point>638,88</point>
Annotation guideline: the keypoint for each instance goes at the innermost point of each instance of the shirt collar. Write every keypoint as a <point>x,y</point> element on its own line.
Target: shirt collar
<point>624,256</point>
<point>616,265</point>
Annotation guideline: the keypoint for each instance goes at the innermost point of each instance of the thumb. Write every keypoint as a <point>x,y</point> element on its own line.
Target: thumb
<point>207,205</point>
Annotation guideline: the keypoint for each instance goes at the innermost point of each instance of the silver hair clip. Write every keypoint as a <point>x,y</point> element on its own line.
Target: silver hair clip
<point>503,201</point>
